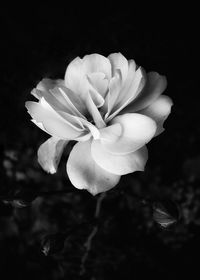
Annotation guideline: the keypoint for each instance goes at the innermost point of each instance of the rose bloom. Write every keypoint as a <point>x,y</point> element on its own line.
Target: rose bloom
<point>111,107</point>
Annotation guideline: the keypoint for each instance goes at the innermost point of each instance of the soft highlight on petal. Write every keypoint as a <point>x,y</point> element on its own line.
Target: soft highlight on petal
<point>78,71</point>
<point>137,130</point>
<point>95,63</point>
<point>84,173</point>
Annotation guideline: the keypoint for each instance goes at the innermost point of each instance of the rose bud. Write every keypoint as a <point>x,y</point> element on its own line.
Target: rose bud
<point>165,213</point>
<point>53,243</point>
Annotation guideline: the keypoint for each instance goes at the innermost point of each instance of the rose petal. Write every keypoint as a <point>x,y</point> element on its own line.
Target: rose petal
<point>94,112</point>
<point>66,109</point>
<point>51,97</point>
<point>159,110</point>
<point>72,102</point>
<point>97,99</point>
<point>137,130</point>
<point>119,62</point>
<point>84,173</point>
<point>76,76</point>
<point>133,85</point>
<point>111,133</point>
<point>45,85</point>
<point>52,122</point>
<point>112,96</point>
<point>40,125</point>
<point>116,163</point>
<point>155,85</point>
<point>50,152</point>
<point>95,63</point>
<point>99,82</point>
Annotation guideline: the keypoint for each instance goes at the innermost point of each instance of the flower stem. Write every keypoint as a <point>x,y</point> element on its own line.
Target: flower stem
<point>88,243</point>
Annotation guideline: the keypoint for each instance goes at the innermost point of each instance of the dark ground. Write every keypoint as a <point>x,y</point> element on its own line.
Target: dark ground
<point>129,244</point>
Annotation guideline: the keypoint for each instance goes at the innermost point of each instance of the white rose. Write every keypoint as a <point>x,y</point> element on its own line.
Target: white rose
<point>111,107</point>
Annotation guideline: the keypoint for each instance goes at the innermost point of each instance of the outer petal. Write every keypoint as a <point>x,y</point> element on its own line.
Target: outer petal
<point>119,164</point>
<point>50,152</point>
<point>159,111</point>
<point>84,173</point>
<point>45,85</point>
<point>137,130</point>
<point>155,85</point>
<point>40,125</point>
<point>52,122</point>
<point>119,62</point>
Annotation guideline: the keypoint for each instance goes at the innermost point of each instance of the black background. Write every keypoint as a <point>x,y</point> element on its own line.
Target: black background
<point>39,41</point>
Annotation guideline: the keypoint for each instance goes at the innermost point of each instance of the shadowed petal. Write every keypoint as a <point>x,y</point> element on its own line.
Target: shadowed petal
<point>71,101</point>
<point>154,87</point>
<point>159,111</point>
<point>84,173</point>
<point>137,130</point>
<point>50,152</point>
<point>116,163</point>
<point>112,96</point>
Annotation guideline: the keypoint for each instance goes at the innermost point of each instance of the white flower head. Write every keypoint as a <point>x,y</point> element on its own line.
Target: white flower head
<point>111,107</point>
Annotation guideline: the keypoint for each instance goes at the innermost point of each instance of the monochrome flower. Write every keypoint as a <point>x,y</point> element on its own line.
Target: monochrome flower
<point>111,107</point>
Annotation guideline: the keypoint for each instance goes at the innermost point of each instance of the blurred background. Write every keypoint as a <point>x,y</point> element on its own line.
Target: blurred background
<point>42,235</point>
